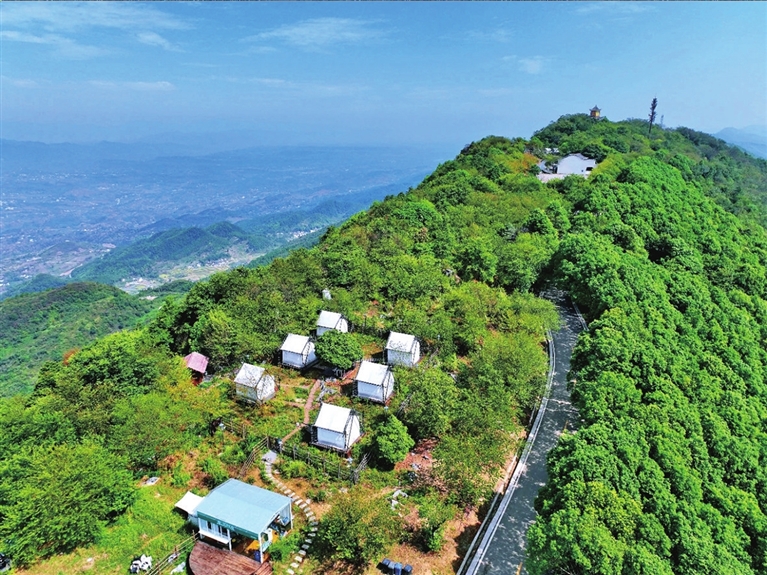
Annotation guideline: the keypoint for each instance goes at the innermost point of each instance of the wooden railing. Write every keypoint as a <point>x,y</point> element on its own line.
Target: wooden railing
<point>168,563</point>
<point>259,448</point>
<point>331,465</point>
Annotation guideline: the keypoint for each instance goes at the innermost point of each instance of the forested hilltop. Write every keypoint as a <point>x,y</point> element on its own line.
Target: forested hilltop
<point>39,327</point>
<point>662,247</point>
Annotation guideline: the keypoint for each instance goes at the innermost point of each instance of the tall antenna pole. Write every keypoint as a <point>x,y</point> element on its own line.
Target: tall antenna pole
<point>652,113</point>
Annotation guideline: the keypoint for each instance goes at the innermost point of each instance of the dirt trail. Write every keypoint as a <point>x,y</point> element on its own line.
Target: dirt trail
<point>307,409</point>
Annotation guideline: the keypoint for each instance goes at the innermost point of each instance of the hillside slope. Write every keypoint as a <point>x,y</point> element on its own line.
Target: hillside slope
<point>35,328</point>
<point>662,247</point>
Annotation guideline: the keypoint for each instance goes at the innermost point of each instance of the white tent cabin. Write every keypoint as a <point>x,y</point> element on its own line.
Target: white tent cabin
<point>298,351</point>
<point>402,349</point>
<point>254,384</point>
<point>374,381</point>
<point>336,428</point>
<point>330,320</point>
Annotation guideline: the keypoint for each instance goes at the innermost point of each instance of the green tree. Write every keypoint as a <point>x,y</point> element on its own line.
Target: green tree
<point>150,427</point>
<point>61,498</point>
<point>357,529</point>
<point>478,260</point>
<point>338,348</point>
<point>432,398</point>
<point>434,514</point>
<point>392,441</point>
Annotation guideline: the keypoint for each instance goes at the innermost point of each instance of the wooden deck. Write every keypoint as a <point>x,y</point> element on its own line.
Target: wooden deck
<point>209,560</point>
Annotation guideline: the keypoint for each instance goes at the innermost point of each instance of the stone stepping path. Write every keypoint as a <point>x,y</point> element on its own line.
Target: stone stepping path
<point>298,558</point>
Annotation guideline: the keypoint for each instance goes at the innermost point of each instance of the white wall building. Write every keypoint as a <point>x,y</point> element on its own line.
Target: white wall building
<point>402,349</point>
<point>576,164</point>
<point>254,384</point>
<point>573,164</point>
<point>329,320</point>
<point>374,381</point>
<point>336,427</point>
<point>298,351</point>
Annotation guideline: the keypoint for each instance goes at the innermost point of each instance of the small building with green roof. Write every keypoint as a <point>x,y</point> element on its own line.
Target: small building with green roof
<point>237,508</point>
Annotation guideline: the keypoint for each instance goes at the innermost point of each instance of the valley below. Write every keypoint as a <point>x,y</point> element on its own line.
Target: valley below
<point>65,205</point>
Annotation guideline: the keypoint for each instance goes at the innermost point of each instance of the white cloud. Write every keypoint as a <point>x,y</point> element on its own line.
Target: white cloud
<point>161,86</point>
<point>501,35</point>
<point>65,47</point>
<point>530,65</point>
<point>58,23</point>
<point>614,8</point>
<point>319,33</point>
<point>68,17</point>
<point>20,82</point>
<point>154,39</point>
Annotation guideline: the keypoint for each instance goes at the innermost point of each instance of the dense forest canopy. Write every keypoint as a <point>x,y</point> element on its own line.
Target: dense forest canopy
<point>662,246</point>
<point>40,327</point>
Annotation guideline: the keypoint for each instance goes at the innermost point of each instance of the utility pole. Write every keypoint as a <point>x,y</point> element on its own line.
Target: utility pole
<point>652,113</point>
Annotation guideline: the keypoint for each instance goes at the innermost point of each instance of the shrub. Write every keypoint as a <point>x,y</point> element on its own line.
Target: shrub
<point>392,441</point>
<point>285,547</point>
<point>215,470</point>
<point>291,469</point>
<point>180,478</point>
<point>338,349</point>
<point>357,529</point>
<point>434,515</point>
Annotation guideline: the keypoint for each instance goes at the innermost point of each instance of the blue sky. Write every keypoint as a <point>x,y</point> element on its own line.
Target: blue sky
<point>373,73</point>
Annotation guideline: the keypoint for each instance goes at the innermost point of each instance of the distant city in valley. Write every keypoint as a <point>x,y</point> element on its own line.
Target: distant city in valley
<point>65,205</point>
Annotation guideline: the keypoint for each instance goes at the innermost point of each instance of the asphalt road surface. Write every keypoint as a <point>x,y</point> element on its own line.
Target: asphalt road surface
<point>502,549</point>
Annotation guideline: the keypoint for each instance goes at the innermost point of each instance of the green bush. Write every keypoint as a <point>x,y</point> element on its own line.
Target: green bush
<point>293,468</point>
<point>318,495</point>
<point>215,470</point>
<point>357,529</point>
<point>285,547</point>
<point>392,441</point>
<point>179,477</point>
<point>338,349</point>
<point>434,514</point>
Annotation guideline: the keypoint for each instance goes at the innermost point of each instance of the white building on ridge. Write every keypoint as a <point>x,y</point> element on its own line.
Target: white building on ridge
<point>336,427</point>
<point>254,384</point>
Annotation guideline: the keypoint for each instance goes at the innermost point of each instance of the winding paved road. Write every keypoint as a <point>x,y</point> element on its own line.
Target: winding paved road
<point>502,548</point>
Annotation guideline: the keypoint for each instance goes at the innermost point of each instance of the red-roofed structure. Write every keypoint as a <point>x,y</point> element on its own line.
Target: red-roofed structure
<point>196,362</point>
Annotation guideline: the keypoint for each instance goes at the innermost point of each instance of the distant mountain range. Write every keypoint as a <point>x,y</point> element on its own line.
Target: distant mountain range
<point>65,205</point>
<point>752,139</point>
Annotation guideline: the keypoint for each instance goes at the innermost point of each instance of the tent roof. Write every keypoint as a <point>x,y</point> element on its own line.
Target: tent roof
<point>333,417</point>
<point>248,509</point>
<point>189,502</point>
<point>400,341</point>
<point>579,156</point>
<point>196,361</point>
<point>295,343</point>
<point>372,372</point>
<point>249,375</point>
<point>329,319</point>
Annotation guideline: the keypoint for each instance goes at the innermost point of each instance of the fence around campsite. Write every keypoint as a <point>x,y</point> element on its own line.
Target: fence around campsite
<point>169,562</point>
<point>330,464</point>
